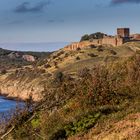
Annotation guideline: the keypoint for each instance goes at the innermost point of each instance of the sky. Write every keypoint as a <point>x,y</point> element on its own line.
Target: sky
<point>64,20</point>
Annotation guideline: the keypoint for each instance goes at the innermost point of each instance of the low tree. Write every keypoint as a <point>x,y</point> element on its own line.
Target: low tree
<point>84,38</point>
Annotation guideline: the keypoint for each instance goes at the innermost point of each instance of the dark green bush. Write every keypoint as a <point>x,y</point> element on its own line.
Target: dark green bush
<point>92,55</point>
<point>113,52</point>
<point>100,48</point>
<point>77,58</point>
<point>85,37</point>
<point>4,71</point>
<point>59,76</point>
<point>82,124</point>
<point>59,135</point>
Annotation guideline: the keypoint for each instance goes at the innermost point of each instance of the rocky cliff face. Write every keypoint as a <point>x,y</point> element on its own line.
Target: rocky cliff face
<point>15,80</point>
<point>29,58</point>
<point>22,90</point>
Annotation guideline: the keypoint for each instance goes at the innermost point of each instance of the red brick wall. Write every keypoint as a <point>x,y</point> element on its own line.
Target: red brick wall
<point>123,32</point>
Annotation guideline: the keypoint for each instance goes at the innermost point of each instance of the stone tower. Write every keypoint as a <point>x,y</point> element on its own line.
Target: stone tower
<point>123,32</point>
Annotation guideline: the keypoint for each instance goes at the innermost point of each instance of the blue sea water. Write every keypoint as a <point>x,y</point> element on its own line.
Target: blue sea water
<point>38,47</point>
<point>7,105</point>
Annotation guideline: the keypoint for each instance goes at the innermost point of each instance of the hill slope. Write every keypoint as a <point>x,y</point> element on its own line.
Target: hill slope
<point>87,94</point>
<point>12,59</point>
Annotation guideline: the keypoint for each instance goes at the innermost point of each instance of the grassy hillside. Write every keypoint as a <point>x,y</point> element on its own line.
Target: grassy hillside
<point>13,59</point>
<point>72,61</point>
<point>90,94</point>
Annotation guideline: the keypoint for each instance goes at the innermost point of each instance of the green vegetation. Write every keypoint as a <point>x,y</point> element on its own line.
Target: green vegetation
<point>13,59</point>
<point>73,106</point>
<point>85,96</point>
<point>97,35</point>
<point>81,125</point>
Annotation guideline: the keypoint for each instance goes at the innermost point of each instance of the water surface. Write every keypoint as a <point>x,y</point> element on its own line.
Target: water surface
<point>38,47</point>
<point>7,105</point>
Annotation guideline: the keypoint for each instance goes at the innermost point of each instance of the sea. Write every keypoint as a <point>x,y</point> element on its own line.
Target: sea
<point>5,104</point>
<point>37,47</point>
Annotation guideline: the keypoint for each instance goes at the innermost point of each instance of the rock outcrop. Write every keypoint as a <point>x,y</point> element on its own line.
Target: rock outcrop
<point>29,58</point>
<point>21,89</point>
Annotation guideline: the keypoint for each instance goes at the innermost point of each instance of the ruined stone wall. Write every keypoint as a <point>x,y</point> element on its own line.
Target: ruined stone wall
<point>114,41</point>
<point>110,40</point>
<point>80,45</point>
<point>97,41</point>
<point>120,41</point>
<point>136,36</point>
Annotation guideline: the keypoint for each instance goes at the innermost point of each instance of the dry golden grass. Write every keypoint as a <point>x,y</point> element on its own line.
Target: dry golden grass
<point>88,57</point>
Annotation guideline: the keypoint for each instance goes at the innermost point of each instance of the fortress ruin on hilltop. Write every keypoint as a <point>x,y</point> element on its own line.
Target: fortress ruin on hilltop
<point>123,36</point>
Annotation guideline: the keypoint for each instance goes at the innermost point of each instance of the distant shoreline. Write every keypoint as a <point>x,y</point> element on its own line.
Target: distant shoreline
<point>36,47</point>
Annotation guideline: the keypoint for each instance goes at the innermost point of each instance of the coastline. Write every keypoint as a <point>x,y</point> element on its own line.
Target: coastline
<point>6,97</point>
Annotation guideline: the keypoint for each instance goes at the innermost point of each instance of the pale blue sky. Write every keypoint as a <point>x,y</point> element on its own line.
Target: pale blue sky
<point>64,20</point>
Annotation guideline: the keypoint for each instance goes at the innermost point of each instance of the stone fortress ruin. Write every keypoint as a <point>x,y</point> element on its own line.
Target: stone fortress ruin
<point>123,36</point>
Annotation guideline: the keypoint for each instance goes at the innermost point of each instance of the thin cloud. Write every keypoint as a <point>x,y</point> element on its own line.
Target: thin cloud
<point>26,7</point>
<point>115,2</point>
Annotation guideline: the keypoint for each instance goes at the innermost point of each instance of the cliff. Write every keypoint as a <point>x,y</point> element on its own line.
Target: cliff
<point>22,90</point>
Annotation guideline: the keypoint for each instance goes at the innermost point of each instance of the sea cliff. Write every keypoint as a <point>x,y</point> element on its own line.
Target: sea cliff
<point>21,90</point>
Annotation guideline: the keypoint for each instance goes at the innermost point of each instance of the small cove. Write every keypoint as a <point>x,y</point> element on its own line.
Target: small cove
<point>7,104</point>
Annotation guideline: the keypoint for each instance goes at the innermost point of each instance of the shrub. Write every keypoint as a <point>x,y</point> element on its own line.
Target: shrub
<point>66,55</point>
<point>97,35</point>
<point>92,46</point>
<point>59,76</point>
<point>85,37</point>
<point>59,134</point>
<point>77,58</point>
<point>82,124</point>
<point>78,49</point>
<point>47,66</point>
<point>4,71</point>
<point>92,55</point>
<point>35,123</point>
<point>99,48</point>
<point>113,52</point>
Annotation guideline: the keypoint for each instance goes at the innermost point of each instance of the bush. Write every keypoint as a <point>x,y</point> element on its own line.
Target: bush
<point>59,135</point>
<point>100,48</point>
<point>92,55</point>
<point>47,66</point>
<point>82,124</point>
<point>66,55</point>
<point>77,58</point>
<point>59,76</point>
<point>97,35</point>
<point>78,49</point>
<point>84,38</point>
<point>92,46</point>
<point>4,71</point>
<point>113,52</point>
